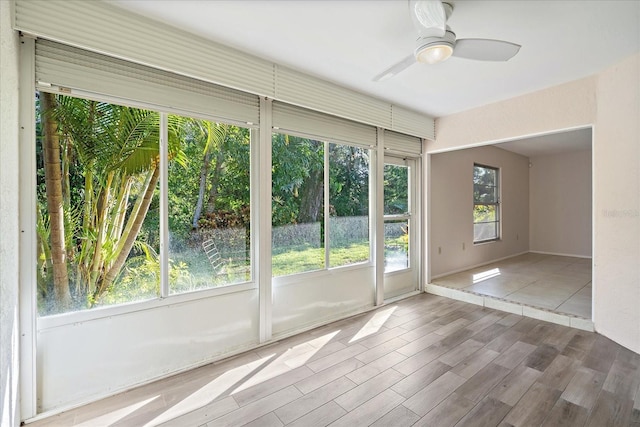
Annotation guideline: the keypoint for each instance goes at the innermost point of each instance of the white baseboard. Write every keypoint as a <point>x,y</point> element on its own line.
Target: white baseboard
<point>560,254</point>
<point>401,297</point>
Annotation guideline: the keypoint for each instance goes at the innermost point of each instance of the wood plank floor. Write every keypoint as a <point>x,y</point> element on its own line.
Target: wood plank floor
<point>424,361</point>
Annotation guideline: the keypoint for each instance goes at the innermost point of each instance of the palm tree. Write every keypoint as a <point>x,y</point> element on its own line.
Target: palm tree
<point>112,153</point>
<point>212,136</point>
<point>53,185</point>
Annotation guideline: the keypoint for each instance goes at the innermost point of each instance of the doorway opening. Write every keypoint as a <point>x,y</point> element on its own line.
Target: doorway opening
<point>541,262</point>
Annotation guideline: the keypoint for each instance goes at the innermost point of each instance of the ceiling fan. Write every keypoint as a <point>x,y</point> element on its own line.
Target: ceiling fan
<point>436,42</point>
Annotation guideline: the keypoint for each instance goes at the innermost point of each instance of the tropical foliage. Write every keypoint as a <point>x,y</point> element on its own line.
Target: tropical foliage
<point>301,167</point>
<point>100,167</point>
<point>98,215</point>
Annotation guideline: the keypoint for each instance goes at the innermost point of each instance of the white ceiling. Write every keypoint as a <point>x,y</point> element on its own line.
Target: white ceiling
<point>350,41</point>
<point>556,143</point>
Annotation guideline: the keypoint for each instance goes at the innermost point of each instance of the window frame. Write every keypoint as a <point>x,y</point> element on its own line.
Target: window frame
<point>327,142</point>
<point>496,204</point>
<point>164,297</point>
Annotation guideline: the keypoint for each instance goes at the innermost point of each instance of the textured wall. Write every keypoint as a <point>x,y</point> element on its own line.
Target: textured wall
<point>560,204</point>
<point>9,229</point>
<point>617,204</point>
<point>557,108</point>
<point>452,208</point>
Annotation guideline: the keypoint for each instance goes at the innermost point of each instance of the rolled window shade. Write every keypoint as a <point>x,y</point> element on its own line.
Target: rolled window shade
<point>402,144</point>
<point>99,26</point>
<point>66,69</point>
<point>295,120</point>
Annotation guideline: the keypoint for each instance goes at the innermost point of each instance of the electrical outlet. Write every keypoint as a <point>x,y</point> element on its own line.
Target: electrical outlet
<point>439,250</point>
<point>463,246</point>
<point>517,236</point>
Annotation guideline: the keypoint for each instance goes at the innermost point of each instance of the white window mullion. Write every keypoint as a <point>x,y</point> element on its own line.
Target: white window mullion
<point>164,208</point>
<point>378,219</point>
<point>326,206</point>
<point>262,157</point>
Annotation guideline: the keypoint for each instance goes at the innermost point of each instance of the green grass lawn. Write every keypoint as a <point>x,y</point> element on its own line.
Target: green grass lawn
<point>302,259</point>
<point>190,270</point>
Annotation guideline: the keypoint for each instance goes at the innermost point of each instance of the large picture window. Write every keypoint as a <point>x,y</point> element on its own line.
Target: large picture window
<point>486,204</point>
<point>98,204</point>
<point>320,205</point>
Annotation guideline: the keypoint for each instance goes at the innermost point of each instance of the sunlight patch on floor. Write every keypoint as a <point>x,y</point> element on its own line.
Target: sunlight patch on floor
<point>293,358</point>
<point>209,392</point>
<point>374,324</point>
<point>486,275</point>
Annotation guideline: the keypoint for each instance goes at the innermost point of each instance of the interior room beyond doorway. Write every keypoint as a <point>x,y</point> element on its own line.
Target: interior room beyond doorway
<point>539,258</point>
<point>557,283</point>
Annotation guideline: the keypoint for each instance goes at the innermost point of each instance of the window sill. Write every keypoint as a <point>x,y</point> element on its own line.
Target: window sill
<point>295,278</point>
<point>486,242</point>
<point>401,271</point>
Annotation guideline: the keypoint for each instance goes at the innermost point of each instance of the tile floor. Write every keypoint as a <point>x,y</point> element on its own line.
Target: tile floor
<point>557,283</point>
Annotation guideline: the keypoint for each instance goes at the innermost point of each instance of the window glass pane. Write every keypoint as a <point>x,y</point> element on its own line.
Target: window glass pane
<point>486,209</point>
<point>485,231</point>
<point>349,205</point>
<point>396,189</point>
<point>485,213</point>
<point>209,205</point>
<point>97,203</point>
<point>297,205</point>
<point>485,175</point>
<point>396,245</point>
<point>485,193</point>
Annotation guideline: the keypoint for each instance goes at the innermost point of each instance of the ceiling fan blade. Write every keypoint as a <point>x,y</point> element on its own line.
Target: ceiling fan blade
<point>429,15</point>
<point>395,68</point>
<point>485,49</point>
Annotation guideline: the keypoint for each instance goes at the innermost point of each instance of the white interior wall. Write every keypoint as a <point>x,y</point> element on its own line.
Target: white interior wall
<point>451,240</point>
<point>83,361</point>
<point>616,183</point>
<point>9,214</point>
<point>319,298</point>
<point>560,204</point>
<point>611,102</point>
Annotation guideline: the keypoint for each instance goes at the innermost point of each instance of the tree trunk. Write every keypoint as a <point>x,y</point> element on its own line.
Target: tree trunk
<point>312,191</point>
<point>131,231</point>
<point>100,229</point>
<point>204,172</point>
<point>121,211</point>
<point>53,183</point>
<point>215,179</point>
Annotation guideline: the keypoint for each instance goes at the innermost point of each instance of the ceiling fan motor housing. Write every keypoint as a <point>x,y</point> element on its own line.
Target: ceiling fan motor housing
<point>426,42</point>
